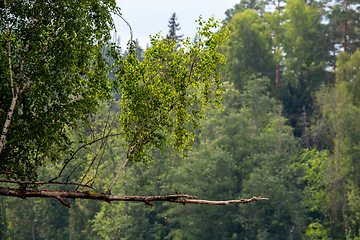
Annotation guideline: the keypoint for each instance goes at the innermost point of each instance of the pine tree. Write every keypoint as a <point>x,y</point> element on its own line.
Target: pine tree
<point>173,27</point>
<point>306,52</point>
<point>344,27</point>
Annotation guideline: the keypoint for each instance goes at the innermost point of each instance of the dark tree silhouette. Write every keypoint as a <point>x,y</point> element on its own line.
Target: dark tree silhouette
<point>173,27</point>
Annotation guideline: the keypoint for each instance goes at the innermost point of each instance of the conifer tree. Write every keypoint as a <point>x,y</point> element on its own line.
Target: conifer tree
<point>344,26</point>
<point>173,27</point>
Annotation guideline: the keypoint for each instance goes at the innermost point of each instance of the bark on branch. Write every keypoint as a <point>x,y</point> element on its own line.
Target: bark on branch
<point>46,182</point>
<point>61,195</point>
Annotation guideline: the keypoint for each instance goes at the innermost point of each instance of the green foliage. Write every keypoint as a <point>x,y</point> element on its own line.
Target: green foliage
<point>340,14</point>
<point>332,177</point>
<point>248,50</point>
<point>348,74</point>
<point>232,159</point>
<point>242,6</point>
<point>248,148</point>
<point>306,51</point>
<point>316,231</point>
<point>302,37</point>
<point>57,72</point>
<point>157,94</point>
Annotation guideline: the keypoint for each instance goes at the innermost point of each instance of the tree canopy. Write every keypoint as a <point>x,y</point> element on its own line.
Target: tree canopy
<point>56,75</point>
<point>265,103</point>
<point>53,76</point>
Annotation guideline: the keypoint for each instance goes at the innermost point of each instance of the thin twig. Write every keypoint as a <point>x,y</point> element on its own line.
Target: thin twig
<point>131,32</point>
<point>7,172</point>
<point>85,145</point>
<point>88,169</point>
<point>133,149</point>
<point>98,165</point>
<point>38,164</point>
<point>108,192</point>
<point>102,155</point>
<point>102,147</point>
<point>9,51</point>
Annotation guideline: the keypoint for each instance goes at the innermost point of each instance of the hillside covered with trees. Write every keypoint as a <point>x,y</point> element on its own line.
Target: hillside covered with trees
<point>271,108</point>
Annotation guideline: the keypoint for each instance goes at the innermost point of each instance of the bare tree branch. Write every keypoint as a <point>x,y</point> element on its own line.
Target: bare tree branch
<point>7,172</point>
<point>102,148</point>
<point>85,145</point>
<point>226,202</point>
<point>38,164</point>
<point>9,52</point>
<point>46,182</point>
<point>131,32</point>
<point>60,195</point>
<point>108,192</point>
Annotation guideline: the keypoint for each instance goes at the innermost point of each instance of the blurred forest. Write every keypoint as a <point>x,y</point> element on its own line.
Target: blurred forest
<point>288,130</point>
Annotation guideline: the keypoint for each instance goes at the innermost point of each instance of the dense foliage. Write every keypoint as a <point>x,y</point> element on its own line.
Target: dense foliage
<point>52,76</point>
<point>295,141</point>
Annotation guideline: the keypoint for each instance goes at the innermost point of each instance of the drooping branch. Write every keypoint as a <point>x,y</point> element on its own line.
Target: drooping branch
<point>139,141</point>
<point>92,161</point>
<point>131,32</point>
<point>61,195</point>
<point>117,175</point>
<point>81,147</point>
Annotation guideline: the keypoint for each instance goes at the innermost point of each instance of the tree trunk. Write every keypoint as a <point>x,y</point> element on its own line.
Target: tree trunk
<point>280,128</point>
<point>3,206</point>
<point>278,64</point>
<point>7,122</point>
<point>344,209</point>
<point>345,27</point>
<point>71,221</point>
<point>33,219</point>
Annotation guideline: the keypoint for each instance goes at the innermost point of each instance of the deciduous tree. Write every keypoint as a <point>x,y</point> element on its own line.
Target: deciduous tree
<point>55,75</point>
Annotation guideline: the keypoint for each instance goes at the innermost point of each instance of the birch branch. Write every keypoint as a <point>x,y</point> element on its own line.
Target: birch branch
<point>46,182</point>
<point>18,89</point>
<point>147,200</point>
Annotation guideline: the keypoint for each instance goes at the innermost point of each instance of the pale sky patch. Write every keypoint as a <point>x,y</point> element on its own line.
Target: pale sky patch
<point>150,17</point>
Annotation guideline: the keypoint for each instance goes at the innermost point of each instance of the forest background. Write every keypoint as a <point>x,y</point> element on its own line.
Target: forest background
<point>288,130</point>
